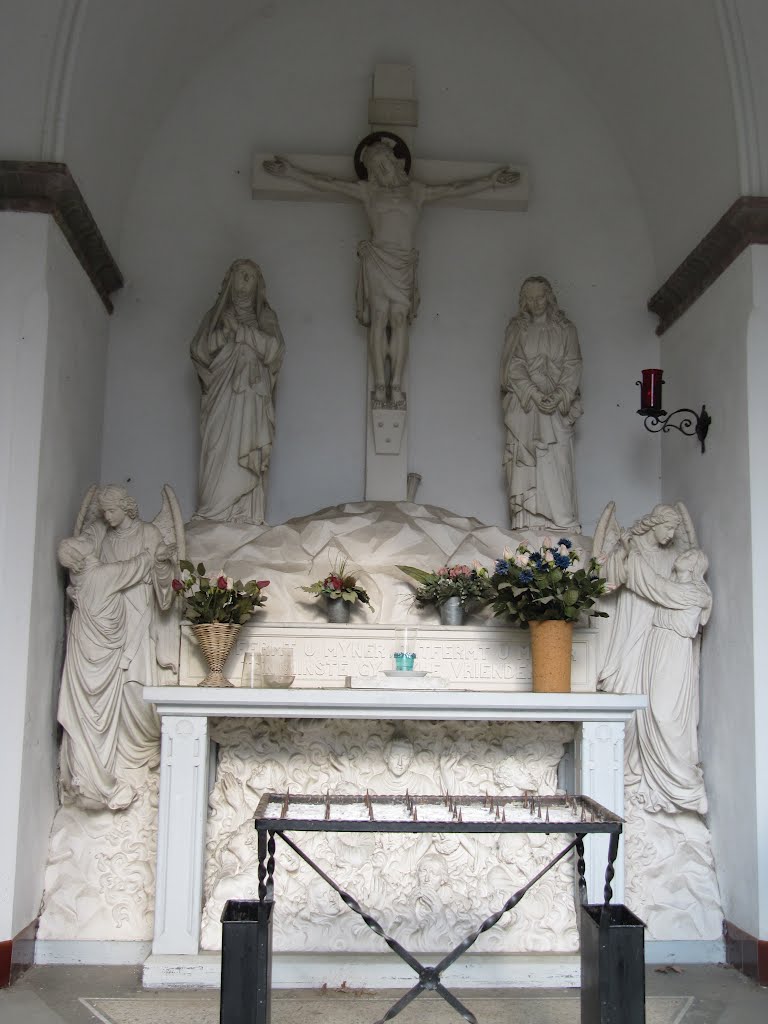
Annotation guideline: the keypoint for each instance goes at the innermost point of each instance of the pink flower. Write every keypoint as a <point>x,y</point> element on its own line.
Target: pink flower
<point>221,582</point>
<point>177,585</point>
<point>262,583</point>
<point>442,571</point>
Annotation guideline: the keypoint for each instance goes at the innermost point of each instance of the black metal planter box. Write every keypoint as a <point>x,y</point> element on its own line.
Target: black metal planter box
<point>612,965</point>
<point>246,961</point>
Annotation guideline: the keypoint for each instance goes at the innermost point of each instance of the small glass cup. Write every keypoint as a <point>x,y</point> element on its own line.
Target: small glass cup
<point>405,648</point>
<point>277,666</point>
<point>251,676</point>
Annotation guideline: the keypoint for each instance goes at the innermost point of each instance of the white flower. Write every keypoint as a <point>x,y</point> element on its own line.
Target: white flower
<point>549,557</point>
<point>521,559</point>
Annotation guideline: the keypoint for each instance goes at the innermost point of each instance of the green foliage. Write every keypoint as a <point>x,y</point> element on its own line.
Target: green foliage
<point>535,586</point>
<point>340,585</point>
<point>215,597</point>
<point>468,584</point>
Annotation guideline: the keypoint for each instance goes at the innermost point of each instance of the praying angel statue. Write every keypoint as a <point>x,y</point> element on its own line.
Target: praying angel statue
<point>387,288</point>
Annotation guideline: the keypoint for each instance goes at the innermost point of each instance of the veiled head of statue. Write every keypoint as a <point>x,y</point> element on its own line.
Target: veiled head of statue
<point>245,279</point>
<point>538,300</point>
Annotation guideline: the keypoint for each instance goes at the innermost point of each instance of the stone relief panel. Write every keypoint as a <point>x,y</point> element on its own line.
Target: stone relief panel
<point>671,880</point>
<point>426,889</point>
<point>100,878</point>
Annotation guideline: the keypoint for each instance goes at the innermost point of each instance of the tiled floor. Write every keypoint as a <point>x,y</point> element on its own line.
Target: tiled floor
<point>51,995</point>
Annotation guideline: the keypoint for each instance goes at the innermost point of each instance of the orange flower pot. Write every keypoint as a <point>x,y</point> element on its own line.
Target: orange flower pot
<point>551,647</point>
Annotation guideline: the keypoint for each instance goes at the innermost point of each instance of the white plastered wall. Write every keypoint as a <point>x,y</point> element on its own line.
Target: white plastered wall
<point>53,344</point>
<point>299,81</point>
<point>705,356</point>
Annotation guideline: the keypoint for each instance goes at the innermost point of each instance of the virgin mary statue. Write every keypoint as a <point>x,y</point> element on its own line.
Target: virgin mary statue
<point>237,353</point>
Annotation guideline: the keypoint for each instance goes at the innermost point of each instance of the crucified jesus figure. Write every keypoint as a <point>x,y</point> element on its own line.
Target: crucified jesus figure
<point>387,290</point>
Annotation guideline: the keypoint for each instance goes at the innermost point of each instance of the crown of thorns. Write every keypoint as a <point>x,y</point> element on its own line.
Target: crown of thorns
<point>397,145</point>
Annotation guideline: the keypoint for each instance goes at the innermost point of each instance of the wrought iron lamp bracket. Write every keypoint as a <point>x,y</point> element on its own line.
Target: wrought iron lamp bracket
<point>691,423</point>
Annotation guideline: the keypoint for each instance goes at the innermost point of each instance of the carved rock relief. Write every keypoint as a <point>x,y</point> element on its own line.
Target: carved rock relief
<point>100,878</point>
<point>429,890</point>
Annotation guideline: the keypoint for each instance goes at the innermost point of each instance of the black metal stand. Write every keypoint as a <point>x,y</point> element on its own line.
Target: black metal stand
<point>246,962</point>
<point>612,965</point>
<point>246,948</point>
<point>247,954</point>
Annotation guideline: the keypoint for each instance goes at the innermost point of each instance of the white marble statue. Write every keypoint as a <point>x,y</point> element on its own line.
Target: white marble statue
<point>387,291</point>
<point>540,376</point>
<point>92,682</point>
<point>653,649</point>
<point>123,635</point>
<point>237,352</point>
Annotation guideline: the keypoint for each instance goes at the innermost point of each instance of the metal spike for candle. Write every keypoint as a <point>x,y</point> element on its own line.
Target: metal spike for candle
<point>583,814</point>
<point>547,815</point>
<point>460,817</point>
<point>503,814</point>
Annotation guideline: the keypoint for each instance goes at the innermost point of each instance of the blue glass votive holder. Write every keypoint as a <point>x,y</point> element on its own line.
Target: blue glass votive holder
<point>404,662</point>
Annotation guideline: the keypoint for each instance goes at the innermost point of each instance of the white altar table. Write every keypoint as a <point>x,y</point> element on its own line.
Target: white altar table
<point>598,767</point>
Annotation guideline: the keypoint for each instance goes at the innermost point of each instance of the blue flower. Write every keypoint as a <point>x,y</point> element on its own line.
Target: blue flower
<point>536,558</point>
<point>526,576</point>
<point>562,561</point>
<point>502,567</point>
<point>564,540</point>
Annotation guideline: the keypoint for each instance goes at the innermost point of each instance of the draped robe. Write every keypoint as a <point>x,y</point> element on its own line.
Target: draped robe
<point>94,681</point>
<point>237,364</point>
<point>540,357</point>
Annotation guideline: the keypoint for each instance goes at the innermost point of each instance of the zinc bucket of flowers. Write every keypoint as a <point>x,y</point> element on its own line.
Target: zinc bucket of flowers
<point>545,592</point>
<point>451,589</point>
<point>217,606</point>
<point>339,590</point>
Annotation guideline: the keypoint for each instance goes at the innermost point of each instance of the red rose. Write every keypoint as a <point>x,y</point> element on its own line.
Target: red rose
<point>262,583</point>
<point>221,582</point>
<point>177,585</point>
<point>335,582</point>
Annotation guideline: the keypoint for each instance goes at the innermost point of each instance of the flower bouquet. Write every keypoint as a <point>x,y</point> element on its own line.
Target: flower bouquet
<point>542,590</point>
<point>340,590</point>
<point>538,586</point>
<point>217,606</point>
<point>451,589</point>
<point>214,597</point>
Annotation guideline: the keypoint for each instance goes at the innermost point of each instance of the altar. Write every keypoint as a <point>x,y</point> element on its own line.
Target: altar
<point>595,769</point>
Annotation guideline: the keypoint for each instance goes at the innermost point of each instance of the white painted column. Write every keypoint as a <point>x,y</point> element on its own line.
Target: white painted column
<point>599,774</point>
<point>181,833</point>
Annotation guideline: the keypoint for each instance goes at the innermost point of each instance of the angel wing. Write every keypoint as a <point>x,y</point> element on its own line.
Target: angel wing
<point>688,530</point>
<point>170,522</point>
<point>89,510</point>
<point>607,531</point>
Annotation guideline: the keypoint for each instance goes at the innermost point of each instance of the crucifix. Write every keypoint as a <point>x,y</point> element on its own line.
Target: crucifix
<point>387,291</point>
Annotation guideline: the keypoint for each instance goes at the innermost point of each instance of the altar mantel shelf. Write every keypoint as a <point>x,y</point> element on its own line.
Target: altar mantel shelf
<point>598,769</point>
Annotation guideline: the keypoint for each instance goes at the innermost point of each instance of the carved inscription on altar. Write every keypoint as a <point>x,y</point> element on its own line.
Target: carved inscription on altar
<point>334,656</point>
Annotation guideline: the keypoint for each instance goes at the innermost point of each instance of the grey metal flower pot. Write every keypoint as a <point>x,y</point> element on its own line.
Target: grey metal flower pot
<point>337,609</point>
<point>451,612</point>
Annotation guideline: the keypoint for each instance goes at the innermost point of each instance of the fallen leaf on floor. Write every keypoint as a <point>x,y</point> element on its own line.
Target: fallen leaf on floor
<point>670,969</point>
